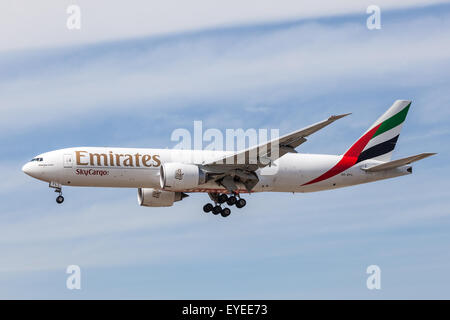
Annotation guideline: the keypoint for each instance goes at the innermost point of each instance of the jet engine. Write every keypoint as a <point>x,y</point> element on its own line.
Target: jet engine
<point>149,197</point>
<point>180,176</point>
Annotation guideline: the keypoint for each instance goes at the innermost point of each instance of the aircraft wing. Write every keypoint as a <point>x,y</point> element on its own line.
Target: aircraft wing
<point>241,166</point>
<point>264,154</point>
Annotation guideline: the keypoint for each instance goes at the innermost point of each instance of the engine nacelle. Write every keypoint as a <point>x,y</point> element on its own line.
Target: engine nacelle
<point>149,197</point>
<point>180,176</point>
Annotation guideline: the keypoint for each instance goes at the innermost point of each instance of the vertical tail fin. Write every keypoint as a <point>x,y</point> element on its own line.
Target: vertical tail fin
<point>379,141</point>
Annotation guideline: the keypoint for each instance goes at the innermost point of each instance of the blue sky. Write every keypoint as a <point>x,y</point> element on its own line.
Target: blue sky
<point>282,74</point>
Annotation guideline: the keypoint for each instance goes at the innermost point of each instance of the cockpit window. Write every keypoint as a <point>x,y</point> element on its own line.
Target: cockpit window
<point>37,159</point>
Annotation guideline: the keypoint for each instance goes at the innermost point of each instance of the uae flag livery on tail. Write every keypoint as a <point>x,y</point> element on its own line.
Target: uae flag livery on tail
<point>388,126</point>
<point>378,142</point>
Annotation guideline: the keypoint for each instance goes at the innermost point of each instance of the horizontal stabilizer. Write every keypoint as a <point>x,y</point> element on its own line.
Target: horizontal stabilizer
<point>398,163</point>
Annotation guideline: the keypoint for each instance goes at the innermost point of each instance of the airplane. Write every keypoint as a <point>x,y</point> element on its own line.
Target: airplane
<point>165,176</point>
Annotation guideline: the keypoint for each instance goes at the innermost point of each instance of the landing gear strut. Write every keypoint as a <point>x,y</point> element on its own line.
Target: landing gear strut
<point>58,189</point>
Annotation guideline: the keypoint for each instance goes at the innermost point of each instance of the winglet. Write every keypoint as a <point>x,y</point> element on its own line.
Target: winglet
<point>428,154</point>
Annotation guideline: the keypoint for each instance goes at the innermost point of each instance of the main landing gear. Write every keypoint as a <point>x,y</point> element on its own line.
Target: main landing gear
<point>58,189</point>
<point>220,199</point>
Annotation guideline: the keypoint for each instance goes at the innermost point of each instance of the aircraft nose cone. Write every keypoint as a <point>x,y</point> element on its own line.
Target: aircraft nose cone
<point>27,168</point>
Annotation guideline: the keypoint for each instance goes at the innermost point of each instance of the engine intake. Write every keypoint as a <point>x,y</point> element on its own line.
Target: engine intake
<point>149,197</point>
<point>181,176</point>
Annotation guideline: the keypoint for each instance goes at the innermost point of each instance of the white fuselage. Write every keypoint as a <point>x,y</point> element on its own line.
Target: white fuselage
<point>140,168</point>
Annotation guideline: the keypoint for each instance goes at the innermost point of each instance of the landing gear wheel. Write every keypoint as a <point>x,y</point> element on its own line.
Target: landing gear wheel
<point>225,212</point>
<point>241,203</point>
<point>222,198</point>
<point>217,210</point>
<point>231,200</point>
<point>59,199</point>
<point>208,207</point>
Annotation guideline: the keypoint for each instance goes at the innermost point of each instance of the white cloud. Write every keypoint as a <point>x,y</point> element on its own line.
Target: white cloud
<point>306,59</point>
<point>42,23</point>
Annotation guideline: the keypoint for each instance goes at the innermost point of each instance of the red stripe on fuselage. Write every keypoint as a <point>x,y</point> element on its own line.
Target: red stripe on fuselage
<point>349,158</point>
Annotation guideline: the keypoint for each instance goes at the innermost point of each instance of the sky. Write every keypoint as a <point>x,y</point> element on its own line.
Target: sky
<point>133,74</point>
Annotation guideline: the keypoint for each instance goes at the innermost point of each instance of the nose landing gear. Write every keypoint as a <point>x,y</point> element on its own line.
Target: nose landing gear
<point>60,199</point>
<point>58,189</point>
